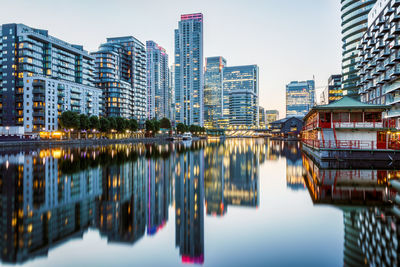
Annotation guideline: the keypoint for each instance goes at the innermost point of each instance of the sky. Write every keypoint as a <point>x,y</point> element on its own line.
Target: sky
<point>288,39</point>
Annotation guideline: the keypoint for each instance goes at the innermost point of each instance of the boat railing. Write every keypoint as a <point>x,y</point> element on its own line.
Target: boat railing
<point>353,144</point>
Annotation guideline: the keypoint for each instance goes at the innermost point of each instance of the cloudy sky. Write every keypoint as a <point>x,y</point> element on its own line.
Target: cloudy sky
<point>288,39</point>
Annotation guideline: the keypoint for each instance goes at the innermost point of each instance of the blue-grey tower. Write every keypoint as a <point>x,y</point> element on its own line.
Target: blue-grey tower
<point>189,79</point>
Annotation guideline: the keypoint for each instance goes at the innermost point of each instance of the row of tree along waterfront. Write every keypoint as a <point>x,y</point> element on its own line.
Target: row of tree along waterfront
<point>118,127</point>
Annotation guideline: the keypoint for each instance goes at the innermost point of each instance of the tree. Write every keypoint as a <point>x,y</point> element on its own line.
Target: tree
<point>83,122</point>
<point>181,128</point>
<point>104,125</point>
<point>133,125</point>
<point>122,124</point>
<point>149,126</point>
<point>113,123</point>
<point>156,125</point>
<point>94,122</point>
<point>194,129</point>
<point>165,123</point>
<point>69,120</point>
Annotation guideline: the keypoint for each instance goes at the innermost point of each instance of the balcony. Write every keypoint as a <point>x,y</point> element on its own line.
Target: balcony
<point>38,114</point>
<point>389,12</point>
<point>395,29</point>
<point>381,45</point>
<point>38,99</point>
<point>386,78</point>
<point>385,29</point>
<point>38,122</point>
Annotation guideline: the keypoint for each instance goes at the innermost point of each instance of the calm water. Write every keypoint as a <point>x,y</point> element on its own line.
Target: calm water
<point>242,202</point>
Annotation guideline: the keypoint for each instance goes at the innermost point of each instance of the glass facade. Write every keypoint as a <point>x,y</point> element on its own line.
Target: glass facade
<point>241,84</point>
<point>158,87</point>
<point>300,98</point>
<point>354,14</point>
<point>189,78</point>
<point>121,74</point>
<point>214,97</point>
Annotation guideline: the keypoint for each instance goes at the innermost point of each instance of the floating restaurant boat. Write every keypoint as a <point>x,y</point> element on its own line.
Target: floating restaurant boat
<point>348,129</point>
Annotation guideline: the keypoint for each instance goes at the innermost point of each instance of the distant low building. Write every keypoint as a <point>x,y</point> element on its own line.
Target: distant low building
<point>271,116</point>
<point>261,117</point>
<point>290,126</point>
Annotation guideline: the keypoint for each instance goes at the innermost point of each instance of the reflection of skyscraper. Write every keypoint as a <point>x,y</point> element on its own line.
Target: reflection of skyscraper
<point>122,207</point>
<point>189,190</point>
<point>352,253</point>
<point>294,166</point>
<point>158,194</point>
<point>214,179</point>
<point>241,175</point>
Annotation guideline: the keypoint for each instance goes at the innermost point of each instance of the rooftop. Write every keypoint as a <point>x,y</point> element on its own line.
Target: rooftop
<point>347,103</point>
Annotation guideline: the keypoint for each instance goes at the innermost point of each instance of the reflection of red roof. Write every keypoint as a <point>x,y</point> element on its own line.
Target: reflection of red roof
<point>193,260</point>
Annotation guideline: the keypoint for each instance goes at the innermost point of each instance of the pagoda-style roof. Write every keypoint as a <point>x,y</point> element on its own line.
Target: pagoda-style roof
<point>348,103</point>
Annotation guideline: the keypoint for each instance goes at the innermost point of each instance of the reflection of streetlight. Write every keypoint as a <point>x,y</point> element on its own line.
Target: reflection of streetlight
<point>8,130</point>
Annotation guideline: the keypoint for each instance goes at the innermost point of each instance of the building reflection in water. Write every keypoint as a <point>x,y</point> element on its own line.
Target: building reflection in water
<point>232,174</point>
<point>371,229</point>
<point>40,206</point>
<point>52,195</point>
<point>189,209</point>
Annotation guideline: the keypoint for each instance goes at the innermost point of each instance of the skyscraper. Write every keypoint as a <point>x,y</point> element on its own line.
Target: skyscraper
<point>121,74</point>
<point>158,87</point>
<point>213,92</point>
<point>300,98</point>
<point>354,24</point>
<point>189,80</point>
<point>42,76</point>
<point>241,84</point>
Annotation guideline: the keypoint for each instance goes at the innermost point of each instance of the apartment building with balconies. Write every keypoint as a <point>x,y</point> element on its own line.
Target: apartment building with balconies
<point>379,66</point>
<point>28,54</point>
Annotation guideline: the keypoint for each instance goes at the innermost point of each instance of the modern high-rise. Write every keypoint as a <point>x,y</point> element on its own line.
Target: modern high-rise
<point>354,14</point>
<point>159,97</point>
<point>189,78</point>
<point>214,98</point>
<point>241,84</point>
<point>42,76</point>
<point>379,67</point>
<point>300,98</point>
<point>121,74</point>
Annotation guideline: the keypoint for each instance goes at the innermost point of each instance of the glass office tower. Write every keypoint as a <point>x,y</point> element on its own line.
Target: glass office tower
<point>354,24</point>
<point>189,79</point>
<point>241,84</point>
<point>300,98</point>
<point>213,93</point>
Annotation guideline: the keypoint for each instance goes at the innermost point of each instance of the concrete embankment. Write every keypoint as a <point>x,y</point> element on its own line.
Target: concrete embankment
<point>5,145</point>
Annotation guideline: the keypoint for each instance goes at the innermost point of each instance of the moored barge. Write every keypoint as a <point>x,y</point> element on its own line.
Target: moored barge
<point>351,130</point>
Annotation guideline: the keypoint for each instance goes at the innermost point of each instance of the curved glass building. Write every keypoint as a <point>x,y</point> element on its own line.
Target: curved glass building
<point>354,14</point>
